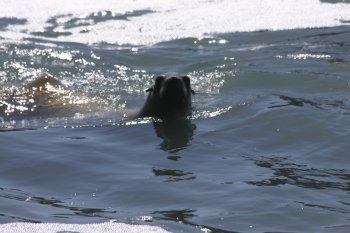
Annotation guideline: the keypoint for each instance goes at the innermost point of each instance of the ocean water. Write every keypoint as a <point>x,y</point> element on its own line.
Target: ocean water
<point>266,149</point>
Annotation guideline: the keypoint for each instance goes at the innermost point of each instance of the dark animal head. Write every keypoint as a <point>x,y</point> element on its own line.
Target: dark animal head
<point>171,94</point>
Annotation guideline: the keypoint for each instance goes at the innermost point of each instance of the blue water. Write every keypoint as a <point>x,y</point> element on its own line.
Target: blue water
<point>266,150</point>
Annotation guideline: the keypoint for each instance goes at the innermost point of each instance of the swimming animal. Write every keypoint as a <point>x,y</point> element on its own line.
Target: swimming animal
<point>169,97</point>
<point>43,97</point>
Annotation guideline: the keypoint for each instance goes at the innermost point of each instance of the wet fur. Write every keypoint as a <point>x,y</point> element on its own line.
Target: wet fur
<point>169,97</point>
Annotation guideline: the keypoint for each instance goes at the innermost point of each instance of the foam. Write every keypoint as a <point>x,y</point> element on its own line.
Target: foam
<point>107,227</point>
<point>167,20</point>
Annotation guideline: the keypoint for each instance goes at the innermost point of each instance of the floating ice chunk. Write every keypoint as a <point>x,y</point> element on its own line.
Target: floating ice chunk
<point>108,227</point>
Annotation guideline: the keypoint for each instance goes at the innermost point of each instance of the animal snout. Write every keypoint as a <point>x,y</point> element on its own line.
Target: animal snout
<point>174,83</point>
<point>174,86</point>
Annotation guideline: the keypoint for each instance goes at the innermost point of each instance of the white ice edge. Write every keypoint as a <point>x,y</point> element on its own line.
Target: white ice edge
<point>108,227</point>
<point>172,19</point>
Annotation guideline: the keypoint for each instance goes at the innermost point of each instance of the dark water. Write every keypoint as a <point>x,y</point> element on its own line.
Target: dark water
<point>267,149</point>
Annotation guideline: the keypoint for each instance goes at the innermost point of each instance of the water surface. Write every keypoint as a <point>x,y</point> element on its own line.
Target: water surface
<point>266,149</point>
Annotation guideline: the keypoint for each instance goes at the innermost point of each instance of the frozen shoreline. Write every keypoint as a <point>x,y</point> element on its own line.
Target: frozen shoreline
<point>108,227</point>
<point>153,21</point>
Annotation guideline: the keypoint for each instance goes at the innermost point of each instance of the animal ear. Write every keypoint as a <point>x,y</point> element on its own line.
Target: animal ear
<point>150,89</point>
<point>187,81</point>
<point>159,80</point>
<point>158,83</point>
